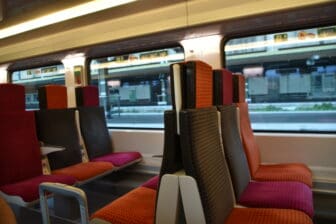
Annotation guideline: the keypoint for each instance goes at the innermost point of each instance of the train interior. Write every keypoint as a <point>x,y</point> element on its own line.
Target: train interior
<point>126,53</point>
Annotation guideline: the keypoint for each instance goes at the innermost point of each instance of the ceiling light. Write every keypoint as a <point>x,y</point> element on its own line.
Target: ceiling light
<point>63,15</point>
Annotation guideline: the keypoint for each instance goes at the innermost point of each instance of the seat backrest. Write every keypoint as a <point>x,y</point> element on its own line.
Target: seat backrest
<point>92,122</point>
<point>238,82</point>
<point>192,84</point>
<point>233,149</point>
<point>56,125</point>
<point>222,87</point>
<point>87,96</point>
<point>203,159</point>
<point>250,146</point>
<point>19,148</point>
<point>53,97</point>
<point>12,97</point>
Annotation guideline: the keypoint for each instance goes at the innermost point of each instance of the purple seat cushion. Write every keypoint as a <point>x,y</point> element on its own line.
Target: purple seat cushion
<point>28,189</point>
<point>152,183</point>
<point>289,195</point>
<point>119,158</point>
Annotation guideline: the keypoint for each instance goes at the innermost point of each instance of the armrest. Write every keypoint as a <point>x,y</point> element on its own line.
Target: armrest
<point>64,190</point>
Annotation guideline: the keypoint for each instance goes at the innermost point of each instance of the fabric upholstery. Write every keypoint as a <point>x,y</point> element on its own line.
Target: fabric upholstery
<point>249,143</point>
<point>199,84</point>
<point>94,131</point>
<point>152,183</point>
<point>87,96</point>
<point>277,172</point>
<point>53,97</point>
<point>172,155</point>
<point>6,214</point>
<point>136,207</point>
<point>19,149</point>
<point>28,189</point>
<point>267,216</point>
<point>58,127</point>
<point>290,195</point>
<point>233,149</point>
<point>222,87</point>
<point>13,97</point>
<point>203,159</point>
<point>284,172</point>
<point>119,158</point>
<point>238,81</point>
<point>85,171</point>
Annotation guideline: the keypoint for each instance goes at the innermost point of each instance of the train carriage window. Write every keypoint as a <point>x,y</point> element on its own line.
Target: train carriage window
<point>134,88</point>
<point>34,78</point>
<point>290,78</point>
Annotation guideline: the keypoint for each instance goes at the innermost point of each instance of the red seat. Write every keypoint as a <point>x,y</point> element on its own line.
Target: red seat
<point>20,156</point>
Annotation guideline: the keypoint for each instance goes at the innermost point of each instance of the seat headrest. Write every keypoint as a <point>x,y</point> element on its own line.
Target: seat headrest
<point>192,85</point>
<point>53,97</point>
<point>12,97</point>
<point>87,96</point>
<point>238,88</point>
<point>222,87</point>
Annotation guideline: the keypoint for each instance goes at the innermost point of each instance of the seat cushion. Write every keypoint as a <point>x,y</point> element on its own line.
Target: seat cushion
<point>284,172</point>
<point>291,195</point>
<point>6,214</point>
<point>267,216</point>
<point>28,189</point>
<point>152,183</point>
<point>135,207</point>
<point>119,158</point>
<point>85,171</point>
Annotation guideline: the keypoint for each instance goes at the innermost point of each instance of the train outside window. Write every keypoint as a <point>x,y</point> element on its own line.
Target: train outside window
<point>34,78</point>
<point>135,88</point>
<point>290,78</point>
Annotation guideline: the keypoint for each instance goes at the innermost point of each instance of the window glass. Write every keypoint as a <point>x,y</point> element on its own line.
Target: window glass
<point>134,88</point>
<point>290,78</point>
<point>34,78</point>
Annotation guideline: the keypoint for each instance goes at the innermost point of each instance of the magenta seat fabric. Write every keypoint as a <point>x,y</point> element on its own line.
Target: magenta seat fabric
<point>119,158</point>
<point>13,97</point>
<point>28,189</point>
<point>20,157</point>
<point>152,183</point>
<point>290,195</point>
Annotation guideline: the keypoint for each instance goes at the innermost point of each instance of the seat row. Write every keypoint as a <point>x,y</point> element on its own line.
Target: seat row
<point>57,133</point>
<point>219,183</point>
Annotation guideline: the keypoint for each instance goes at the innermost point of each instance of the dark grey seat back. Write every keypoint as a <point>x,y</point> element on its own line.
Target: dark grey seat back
<point>203,159</point>
<point>233,149</point>
<point>58,127</point>
<point>94,131</point>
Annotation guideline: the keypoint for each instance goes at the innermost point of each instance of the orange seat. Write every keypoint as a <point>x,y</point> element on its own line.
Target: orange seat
<point>277,172</point>
<point>6,214</point>
<point>136,207</point>
<point>85,171</point>
<point>267,216</point>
